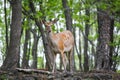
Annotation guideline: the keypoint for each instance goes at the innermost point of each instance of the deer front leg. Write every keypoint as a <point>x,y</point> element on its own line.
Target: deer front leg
<point>54,63</point>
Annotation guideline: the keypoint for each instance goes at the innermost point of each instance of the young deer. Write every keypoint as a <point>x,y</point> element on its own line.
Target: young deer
<point>62,43</point>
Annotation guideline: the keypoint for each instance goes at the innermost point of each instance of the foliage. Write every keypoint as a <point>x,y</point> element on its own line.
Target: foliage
<point>40,62</point>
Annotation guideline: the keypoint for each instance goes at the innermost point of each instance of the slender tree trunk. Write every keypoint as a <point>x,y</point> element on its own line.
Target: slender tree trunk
<point>6,26</point>
<point>92,63</point>
<point>111,41</point>
<point>86,58</point>
<point>80,51</point>
<point>25,49</point>
<point>11,60</point>
<point>67,13</point>
<point>114,62</point>
<point>34,49</point>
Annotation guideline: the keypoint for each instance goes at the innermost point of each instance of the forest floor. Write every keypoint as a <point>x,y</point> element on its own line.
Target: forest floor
<point>35,74</point>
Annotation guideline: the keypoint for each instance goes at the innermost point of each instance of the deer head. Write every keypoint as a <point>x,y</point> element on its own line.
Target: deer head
<point>49,24</point>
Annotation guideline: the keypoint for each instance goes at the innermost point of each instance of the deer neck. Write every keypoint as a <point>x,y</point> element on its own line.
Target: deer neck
<point>52,36</point>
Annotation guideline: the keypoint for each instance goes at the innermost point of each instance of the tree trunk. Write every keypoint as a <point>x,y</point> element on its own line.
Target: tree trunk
<point>80,53</point>
<point>11,60</point>
<point>25,59</point>
<point>111,41</point>
<point>34,49</point>
<point>67,13</point>
<point>48,54</point>
<point>6,26</point>
<point>86,58</point>
<point>68,19</point>
<point>105,31</point>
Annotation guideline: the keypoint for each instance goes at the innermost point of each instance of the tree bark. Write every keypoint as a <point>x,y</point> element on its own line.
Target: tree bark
<point>68,19</point>
<point>11,60</point>
<point>67,13</point>
<point>25,59</point>
<point>34,49</point>
<point>86,58</point>
<point>105,31</point>
<point>6,26</point>
<point>111,41</point>
<point>80,53</point>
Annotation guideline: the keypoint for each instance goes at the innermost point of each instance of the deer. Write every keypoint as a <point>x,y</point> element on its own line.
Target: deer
<point>62,43</point>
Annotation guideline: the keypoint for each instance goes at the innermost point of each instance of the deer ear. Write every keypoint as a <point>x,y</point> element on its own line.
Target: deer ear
<point>55,20</point>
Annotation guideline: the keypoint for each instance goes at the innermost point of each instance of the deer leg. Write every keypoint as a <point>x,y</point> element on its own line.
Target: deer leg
<point>64,61</point>
<point>68,55</point>
<point>54,63</point>
<point>71,60</point>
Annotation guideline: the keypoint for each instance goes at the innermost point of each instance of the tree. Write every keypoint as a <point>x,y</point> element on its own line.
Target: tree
<point>49,57</point>
<point>86,58</point>
<point>34,48</point>
<point>67,13</point>
<point>11,60</point>
<point>105,38</point>
<point>6,25</point>
<point>25,60</point>
<point>68,18</point>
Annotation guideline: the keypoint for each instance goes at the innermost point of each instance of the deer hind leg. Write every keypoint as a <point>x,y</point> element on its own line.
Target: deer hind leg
<point>71,61</point>
<point>54,63</point>
<point>64,60</point>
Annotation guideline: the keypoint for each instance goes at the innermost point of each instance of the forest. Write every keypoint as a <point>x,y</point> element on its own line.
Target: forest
<point>28,46</point>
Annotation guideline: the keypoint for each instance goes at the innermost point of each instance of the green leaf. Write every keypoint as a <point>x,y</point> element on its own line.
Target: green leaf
<point>79,26</point>
<point>40,62</point>
<point>93,37</point>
